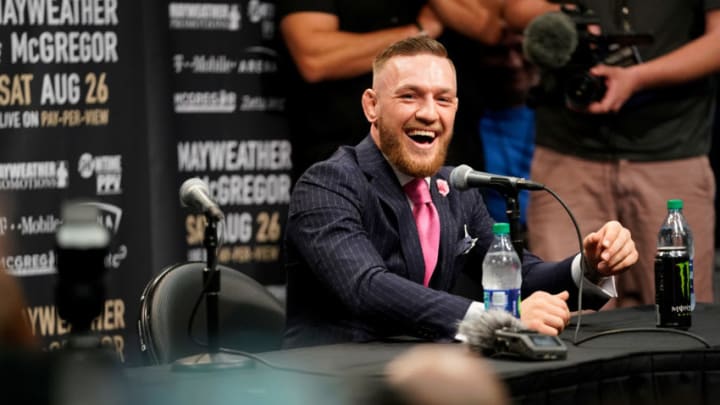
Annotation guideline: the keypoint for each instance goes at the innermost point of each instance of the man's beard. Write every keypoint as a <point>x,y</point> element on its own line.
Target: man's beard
<point>393,149</point>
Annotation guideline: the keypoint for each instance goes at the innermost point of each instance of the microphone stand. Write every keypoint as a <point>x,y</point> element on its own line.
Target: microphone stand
<point>510,191</point>
<point>512,209</point>
<point>213,359</point>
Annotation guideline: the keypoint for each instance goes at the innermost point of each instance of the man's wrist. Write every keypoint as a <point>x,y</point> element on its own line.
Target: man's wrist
<point>590,272</point>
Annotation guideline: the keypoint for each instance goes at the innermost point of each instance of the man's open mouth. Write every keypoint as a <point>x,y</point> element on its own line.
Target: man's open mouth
<point>421,136</point>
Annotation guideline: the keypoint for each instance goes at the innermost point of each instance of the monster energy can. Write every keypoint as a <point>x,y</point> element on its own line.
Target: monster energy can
<point>672,287</point>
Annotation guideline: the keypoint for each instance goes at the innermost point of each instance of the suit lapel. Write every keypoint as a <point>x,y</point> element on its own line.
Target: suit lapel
<point>448,228</point>
<point>383,179</point>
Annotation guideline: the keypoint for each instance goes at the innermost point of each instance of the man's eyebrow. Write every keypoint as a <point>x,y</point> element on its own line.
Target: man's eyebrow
<point>411,87</point>
<point>407,87</point>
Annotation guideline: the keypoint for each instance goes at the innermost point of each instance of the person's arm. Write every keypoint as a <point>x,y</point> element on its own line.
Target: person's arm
<point>325,226</point>
<point>696,59</point>
<point>519,13</point>
<point>478,19</point>
<point>541,311</point>
<point>608,251</point>
<point>322,51</point>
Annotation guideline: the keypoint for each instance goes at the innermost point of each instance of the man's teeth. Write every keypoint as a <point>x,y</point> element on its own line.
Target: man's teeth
<point>419,135</point>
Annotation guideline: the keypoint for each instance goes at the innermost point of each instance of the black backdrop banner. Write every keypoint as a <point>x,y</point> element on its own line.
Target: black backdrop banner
<point>228,106</point>
<point>71,118</point>
<point>117,102</point>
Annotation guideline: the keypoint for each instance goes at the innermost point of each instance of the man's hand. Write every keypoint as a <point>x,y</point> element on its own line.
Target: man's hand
<point>621,83</point>
<point>610,250</point>
<point>545,313</point>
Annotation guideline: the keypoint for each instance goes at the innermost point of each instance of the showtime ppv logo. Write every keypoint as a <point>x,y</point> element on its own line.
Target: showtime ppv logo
<point>263,13</point>
<point>204,16</point>
<point>107,170</point>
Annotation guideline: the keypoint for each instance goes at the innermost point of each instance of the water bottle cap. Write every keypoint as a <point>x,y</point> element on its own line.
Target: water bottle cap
<point>501,228</point>
<point>674,204</point>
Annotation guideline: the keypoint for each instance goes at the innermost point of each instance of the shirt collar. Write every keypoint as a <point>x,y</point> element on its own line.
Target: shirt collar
<point>402,177</point>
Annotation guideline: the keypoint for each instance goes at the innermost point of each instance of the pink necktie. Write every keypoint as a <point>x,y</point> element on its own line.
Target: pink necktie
<point>427,222</point>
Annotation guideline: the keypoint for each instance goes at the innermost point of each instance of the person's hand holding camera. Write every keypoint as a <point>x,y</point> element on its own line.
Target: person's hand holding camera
<point>621,84</point>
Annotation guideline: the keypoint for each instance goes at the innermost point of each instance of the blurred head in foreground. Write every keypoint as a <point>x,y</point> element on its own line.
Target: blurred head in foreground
<point>14,327</point>
<point>436,374</point>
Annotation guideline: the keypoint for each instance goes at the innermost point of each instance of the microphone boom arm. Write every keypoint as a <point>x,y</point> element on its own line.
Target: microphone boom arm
<point>512,209</point>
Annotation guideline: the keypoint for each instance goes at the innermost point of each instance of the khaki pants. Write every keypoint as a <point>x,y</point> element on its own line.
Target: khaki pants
<point>634,193</point>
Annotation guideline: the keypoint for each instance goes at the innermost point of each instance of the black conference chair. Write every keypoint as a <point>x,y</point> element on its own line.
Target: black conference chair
<point>250,318</point>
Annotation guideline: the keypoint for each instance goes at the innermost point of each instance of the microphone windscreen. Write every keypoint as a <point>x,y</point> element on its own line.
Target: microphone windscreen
<point>550,40</point>
<point>186,191</point>
<point>479,331</point>
<point>458,177</point>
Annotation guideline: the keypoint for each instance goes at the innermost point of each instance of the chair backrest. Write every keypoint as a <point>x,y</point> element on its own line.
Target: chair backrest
<point>250,318</point>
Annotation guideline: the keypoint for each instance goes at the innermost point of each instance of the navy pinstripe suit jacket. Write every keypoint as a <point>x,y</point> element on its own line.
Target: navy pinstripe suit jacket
<point>354,261</point>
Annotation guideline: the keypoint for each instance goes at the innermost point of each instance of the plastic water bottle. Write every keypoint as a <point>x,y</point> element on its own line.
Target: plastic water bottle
<point>674,295</point>
<point>502,275</point>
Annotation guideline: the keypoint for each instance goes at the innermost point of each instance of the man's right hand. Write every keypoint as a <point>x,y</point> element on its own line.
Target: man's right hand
<point>545,313</point>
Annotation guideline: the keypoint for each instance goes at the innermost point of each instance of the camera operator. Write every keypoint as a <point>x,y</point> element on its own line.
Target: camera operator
<point>645,140</point>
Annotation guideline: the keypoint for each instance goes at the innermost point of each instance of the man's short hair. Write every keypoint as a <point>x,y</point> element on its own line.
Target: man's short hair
<point>411,46</point>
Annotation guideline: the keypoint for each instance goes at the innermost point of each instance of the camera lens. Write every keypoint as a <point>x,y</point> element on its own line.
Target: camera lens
<point>583,89</point>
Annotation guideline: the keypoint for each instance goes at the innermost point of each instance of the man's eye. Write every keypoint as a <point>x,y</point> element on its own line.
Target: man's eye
<point>407,96</point>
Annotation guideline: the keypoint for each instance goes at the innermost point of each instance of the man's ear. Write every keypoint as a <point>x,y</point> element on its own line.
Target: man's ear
<point>369,104</point>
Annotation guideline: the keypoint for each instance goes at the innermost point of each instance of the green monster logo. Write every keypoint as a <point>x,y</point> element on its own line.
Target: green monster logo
<point>684,271</point>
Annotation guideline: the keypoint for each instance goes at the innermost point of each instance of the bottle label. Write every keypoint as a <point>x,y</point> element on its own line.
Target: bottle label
<point>692,286</point>
<point>672,289</point>
<point>504,300</point>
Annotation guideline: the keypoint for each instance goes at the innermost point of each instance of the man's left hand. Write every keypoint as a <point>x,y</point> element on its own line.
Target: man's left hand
<point>610,250</point>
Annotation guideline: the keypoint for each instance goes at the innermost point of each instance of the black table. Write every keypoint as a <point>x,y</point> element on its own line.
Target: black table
<point>635,367</point>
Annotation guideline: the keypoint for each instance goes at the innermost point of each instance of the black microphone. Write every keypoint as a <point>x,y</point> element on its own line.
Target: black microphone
<point>498,333</point>
<point>464,177</point>
<point>194,193</point>
<point>480,332</point>
<point>550,40</point>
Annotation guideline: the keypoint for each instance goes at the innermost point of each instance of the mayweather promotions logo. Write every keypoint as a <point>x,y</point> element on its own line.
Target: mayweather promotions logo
<point>34,175</point>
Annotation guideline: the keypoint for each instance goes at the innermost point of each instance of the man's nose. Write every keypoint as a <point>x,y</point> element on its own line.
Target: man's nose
<point>427,110</point>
